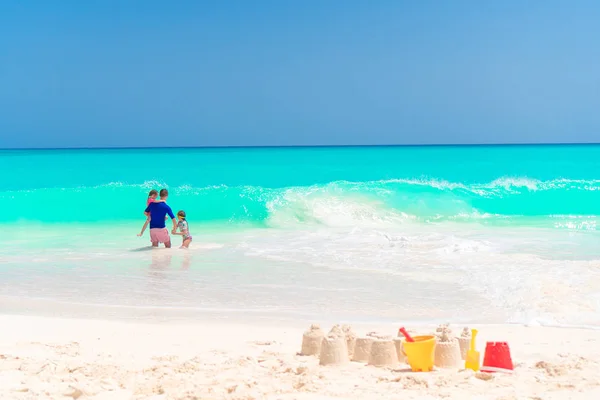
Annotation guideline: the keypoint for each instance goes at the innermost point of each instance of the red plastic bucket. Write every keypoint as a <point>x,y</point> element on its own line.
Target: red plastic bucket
<point>497,358</point>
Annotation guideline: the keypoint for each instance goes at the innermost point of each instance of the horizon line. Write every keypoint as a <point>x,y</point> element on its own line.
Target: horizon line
<point>302,146</point>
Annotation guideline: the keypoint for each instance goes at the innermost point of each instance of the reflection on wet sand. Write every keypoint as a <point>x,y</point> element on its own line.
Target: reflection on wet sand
<point>161,261</point>
<point>187,261</point>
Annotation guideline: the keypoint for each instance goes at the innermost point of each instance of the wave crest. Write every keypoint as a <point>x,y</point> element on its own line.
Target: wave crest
<point>338,203</point>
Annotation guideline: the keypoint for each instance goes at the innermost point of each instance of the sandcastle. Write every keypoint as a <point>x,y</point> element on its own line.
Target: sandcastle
<point>362,349</point>
<point>464,342</point>
<point>334,348</point>
<point>441,328</point>
<point>383,353</point>
<point>447,349</point>
<point>312,340</point>
<point>341,345</point>
<point>350,340</point>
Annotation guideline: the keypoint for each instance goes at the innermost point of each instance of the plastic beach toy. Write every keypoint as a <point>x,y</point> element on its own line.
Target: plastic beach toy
<point>473,357</point>
<point>420,353</point>
<point>497,358</point>
<point>405,334</point>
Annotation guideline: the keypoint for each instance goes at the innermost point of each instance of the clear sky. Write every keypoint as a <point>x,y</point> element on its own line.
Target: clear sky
<point>109,73</point>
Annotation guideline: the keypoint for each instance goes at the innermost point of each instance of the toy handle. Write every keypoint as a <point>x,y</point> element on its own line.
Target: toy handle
<point>406,335</point>
<point>473,336</point>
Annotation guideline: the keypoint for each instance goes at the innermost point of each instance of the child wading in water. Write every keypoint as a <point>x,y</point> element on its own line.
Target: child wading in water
<point>151,199</point>
<point>184,230</point>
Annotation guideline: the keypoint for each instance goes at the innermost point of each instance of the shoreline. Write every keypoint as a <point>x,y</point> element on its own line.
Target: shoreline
<point>45,357</point>
<point>46,308</point>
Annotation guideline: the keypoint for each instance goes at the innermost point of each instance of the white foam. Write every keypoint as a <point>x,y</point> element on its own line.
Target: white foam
<point>357,268</point>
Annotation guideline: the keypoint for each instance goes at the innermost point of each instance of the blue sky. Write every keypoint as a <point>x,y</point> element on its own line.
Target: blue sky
<point>311,72</point>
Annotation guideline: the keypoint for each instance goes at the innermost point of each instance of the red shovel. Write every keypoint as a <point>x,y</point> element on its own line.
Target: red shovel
<point>406,335</point>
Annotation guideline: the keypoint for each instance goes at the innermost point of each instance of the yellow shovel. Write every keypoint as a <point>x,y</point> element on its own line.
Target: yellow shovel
<point>472,360</point>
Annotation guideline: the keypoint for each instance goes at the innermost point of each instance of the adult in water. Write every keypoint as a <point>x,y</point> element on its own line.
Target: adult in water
<point>158,213</point>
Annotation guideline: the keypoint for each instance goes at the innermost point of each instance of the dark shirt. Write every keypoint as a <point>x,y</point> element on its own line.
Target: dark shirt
<point>158,211</point>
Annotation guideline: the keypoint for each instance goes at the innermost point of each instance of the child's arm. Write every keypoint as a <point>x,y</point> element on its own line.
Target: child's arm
<point>183,229</point>
<point>145,226</point>
<point>174,231</point>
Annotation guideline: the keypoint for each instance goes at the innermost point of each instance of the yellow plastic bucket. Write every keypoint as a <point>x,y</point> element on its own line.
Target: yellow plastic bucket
<point>420,353</point>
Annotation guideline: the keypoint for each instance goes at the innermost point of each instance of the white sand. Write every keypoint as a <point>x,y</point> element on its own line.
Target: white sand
<point>66,359</point>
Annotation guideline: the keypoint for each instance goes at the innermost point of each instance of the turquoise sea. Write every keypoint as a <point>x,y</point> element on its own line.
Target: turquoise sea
<point>487,234</point>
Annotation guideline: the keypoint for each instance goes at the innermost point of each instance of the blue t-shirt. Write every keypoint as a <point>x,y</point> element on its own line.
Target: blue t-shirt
<point>158,211</point>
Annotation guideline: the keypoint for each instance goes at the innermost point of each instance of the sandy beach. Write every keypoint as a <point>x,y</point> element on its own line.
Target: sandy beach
<point>250,200</point>
<point>47,358</point>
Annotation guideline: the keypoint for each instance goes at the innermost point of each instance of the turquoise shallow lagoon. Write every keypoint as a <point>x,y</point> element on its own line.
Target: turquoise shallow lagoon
<point>482,233</point>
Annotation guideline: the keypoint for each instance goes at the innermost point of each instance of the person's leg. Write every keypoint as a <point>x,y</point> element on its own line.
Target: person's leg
<point>154,237</point>
<point>186,243</point>
<point>162,235</point>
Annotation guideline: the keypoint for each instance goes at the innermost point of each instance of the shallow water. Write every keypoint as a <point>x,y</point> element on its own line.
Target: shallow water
<point>488,234</point>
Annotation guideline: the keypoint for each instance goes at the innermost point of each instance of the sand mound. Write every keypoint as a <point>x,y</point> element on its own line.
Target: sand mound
<point>383,353</point>
<point>334,349</point>
<point>362,349</point>
<point>350,340</point>
<point>464,341</point>
<point>312,340</point>
<point>447,349</point>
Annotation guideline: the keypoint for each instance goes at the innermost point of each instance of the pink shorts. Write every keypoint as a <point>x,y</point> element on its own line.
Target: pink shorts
<point>160,235</point>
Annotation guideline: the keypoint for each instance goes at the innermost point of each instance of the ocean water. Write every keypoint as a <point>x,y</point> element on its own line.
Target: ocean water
<point>487,234</point>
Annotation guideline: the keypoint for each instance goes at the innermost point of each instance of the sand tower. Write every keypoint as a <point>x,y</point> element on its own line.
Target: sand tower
<point>350,340</point>
<point>383,353</point>
<point>362,349</point>
<point>447,349</point>
<point>312,340</point>
<point>464,341</point>
<point>334,349</point>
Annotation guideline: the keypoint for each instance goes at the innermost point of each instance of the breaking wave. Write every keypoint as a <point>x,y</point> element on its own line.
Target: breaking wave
<point>561,203</point>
